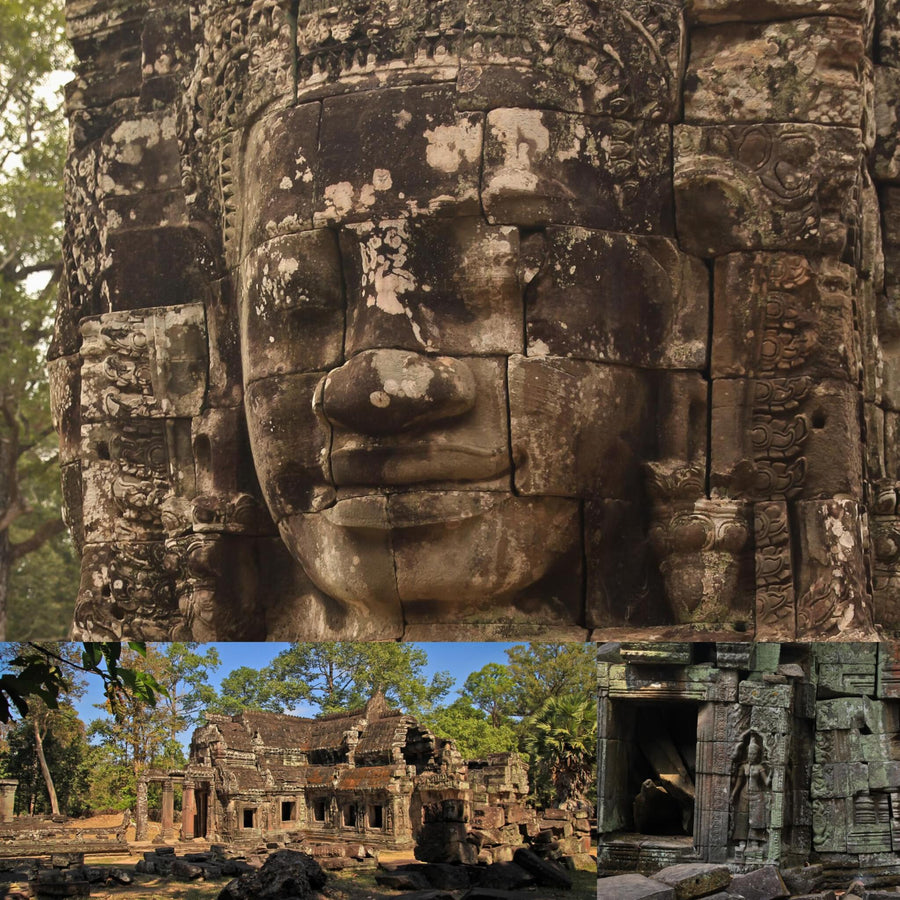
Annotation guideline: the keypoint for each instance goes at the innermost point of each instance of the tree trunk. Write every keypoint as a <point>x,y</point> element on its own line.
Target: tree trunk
<point>45,769</point>
<point>5,573</point>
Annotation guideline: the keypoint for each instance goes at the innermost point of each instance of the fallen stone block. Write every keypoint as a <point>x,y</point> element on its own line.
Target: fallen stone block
<point>803,879</point>
<point>633,887</point>
<point>546,874</point>
<point>760,884</point>
<point>695,879</point>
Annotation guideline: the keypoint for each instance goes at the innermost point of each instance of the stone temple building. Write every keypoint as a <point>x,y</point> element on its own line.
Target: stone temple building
<point>750,754</point>
<point>373,776</point>
<point>391,319</point>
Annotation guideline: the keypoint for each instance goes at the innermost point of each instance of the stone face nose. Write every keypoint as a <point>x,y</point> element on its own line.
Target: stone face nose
<point>381,392</point>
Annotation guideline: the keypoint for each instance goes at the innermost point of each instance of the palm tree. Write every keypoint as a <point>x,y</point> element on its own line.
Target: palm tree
<point>561,739</point>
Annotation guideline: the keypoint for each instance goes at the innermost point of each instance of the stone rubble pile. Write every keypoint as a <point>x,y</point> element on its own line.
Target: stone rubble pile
<point>691,881</point>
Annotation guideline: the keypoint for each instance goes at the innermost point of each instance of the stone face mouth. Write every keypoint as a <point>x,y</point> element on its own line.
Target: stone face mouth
<point>402,462</point>
<point>416,509</point>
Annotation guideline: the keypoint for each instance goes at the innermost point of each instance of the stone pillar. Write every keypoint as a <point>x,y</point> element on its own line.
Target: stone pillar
<point>168,811</point>
<point>188,811</point>
<point>140,811</point>
<point>7,798</point>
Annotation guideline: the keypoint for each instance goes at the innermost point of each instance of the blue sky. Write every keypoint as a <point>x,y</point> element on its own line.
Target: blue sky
<point>459,659</point>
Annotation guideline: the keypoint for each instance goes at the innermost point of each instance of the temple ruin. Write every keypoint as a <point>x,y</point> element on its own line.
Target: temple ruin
<point>780,754</point>
<point>372,776</point>
<point>416,318</point>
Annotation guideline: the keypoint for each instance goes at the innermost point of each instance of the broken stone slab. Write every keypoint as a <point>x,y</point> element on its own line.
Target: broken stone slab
<point>285,875</point>
<point>543,167</point>
<point>803,879</point>
<point>483,893</point>
<point>546,873</point>
<point>694,879</point>
<point>502,876</point>
<point>426,895</point>
<point>764,883</point>
<point>741,72</point>
<point>407,878</point>
<point>633,887</point>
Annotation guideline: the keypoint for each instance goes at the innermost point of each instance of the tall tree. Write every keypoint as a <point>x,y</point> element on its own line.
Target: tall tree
<point>32,150</point>
<point>184,672</point>
<point>51,771</point>
<point>491,690</point>
<point>247,688</point>
<point>541,671</point>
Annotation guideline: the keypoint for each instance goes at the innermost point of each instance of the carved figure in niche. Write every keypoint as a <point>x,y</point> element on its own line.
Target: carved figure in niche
<point>750,786</point>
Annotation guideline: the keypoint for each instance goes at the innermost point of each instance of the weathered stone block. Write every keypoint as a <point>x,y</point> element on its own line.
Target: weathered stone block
<point>766,187</point>
<point>65,405</point>
<point>775,597</point>
<point>360,174</point>
<point>778,314</point>
<point>543,167</point>
<point>886,162</point>
<point>560,444</point>
<point>167,266</point>
<point>290,444</point>
<point>764,883</point>
<point>616,298</point>
<point>633,887</point>
<point>750,72</point>
<point>623,584</point>
<point>140,155</point>
<point>833,597</point>
<point>887,32</point>
<point>276,175</point>
<point>543,573</point>
<point>694,879</point>
<point>713,11</point>
<point>292,306</point>
<point>785,438</point>
<point>599,62</point>
<point>144,364</point>
<point>447,285</point>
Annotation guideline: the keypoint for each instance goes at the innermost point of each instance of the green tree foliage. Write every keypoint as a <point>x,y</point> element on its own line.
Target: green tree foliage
<point>474,734</point>
<point>491,690</point>
<point>66,752</point>
<point>246,688</point>
<point>541,671</point>
<point>335,677</point>
<point>184,672</point>
<point>561,742</point>
<point>32,151</point>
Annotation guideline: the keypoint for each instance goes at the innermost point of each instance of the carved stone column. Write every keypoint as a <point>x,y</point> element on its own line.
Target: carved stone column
<point>168,811</point>
<point>188,811</point>
<point>7,798</point>
<point>140,811</point>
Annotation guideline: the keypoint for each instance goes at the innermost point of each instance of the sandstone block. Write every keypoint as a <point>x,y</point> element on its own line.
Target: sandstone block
<point>761,884</point>
<point>616,298</point>
<point>766,187</point>
<point>446,285</point>
<point>633,887</point>
<point>747,72</point>
<point>543,167</point>
<point>694,879</point>
<point>404,151</point>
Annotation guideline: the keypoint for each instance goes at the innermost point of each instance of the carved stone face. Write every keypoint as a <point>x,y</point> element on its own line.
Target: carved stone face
<point>449,317</point>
